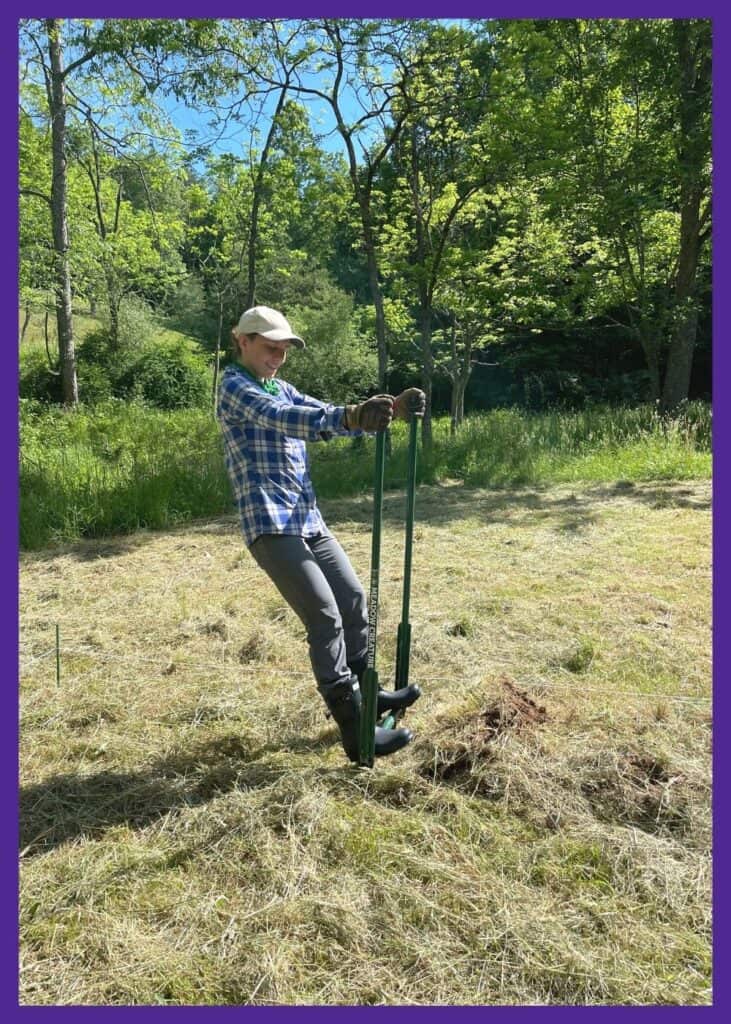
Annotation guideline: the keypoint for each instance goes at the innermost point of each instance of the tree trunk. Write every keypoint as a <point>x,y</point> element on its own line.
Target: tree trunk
<point>454,375</point>
<point>680,363</point>
<point>376,291</point>
<point>682,342</point>
<point>460,387</point>
<point>460,402</point>
<point>26,321</point>
<point>52,364</point>
<point>427,377</point>
<point>694,63</point>
<point>62,276</point>
<point>217,361</point>
<point>256,203</point>
<point>114,303</point>
<point>460,373</point>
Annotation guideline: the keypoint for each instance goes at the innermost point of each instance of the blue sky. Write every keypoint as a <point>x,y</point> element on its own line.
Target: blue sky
<point>237,139</point>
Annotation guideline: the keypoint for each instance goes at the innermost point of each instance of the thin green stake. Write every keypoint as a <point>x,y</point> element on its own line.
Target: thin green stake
<point>58,655</point>
<point>369,682</point>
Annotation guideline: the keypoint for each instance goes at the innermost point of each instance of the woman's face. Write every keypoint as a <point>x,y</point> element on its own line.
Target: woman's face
<point>262,356</point>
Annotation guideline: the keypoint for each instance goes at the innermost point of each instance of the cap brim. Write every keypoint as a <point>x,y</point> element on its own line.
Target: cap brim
<point>279,335</point>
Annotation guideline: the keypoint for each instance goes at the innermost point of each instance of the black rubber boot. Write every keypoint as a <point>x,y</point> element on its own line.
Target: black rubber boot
<point>397,700</point>
<point>388,700</point>
<point>344,703</point>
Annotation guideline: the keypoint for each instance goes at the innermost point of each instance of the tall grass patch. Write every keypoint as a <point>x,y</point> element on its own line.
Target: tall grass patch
<point>116,468</point>
<point>508,447</point>
<point>121,466</point>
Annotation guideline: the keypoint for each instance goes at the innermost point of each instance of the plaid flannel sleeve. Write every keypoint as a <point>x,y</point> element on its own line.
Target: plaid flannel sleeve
<point>299,398</point>
<point>290,413</point>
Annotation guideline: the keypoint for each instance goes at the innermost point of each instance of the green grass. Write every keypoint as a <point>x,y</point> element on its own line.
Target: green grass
<point>119,467</point>
<point>34,338</point>
<point>85,324</point>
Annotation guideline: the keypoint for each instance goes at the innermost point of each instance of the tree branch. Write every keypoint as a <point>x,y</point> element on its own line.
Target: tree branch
<point>38,195</point>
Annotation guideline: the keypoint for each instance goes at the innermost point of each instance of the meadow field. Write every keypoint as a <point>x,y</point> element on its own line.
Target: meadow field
<point>500,211</point>
<point>191,832</point>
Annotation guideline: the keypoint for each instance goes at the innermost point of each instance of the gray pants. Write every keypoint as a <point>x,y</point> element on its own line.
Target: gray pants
<point>316,579</point>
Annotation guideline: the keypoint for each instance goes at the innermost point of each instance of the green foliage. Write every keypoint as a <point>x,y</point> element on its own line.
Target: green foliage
<point>535,189</point>
<point>137,325</point>
<point>147,364</point>
<point>189,310</point>
<point>116,468</point>
<point>168,377</point>
<point>338,364</point>
<point>35,252</point>
<point>39,382</point>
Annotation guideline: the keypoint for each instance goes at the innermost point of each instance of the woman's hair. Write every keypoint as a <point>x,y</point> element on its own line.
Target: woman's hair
<point>234,342</point>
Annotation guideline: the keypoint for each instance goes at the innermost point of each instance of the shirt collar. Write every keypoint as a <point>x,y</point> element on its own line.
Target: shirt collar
<point>270,386</point>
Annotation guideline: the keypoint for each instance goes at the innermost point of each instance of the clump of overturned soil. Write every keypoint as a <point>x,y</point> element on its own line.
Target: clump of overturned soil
<point>636,789</point>
<point>513,709</point>
<point>510,711</point>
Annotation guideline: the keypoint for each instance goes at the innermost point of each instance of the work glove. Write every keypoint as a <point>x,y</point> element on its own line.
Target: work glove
<point>411,402</point>
<point>374,414</point>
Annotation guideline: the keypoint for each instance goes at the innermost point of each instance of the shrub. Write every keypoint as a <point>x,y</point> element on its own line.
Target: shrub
<point>42,384</point>
<point>136,326</point>
<point>338,365</point>
<point>168,377</point>
<point>37,381</point>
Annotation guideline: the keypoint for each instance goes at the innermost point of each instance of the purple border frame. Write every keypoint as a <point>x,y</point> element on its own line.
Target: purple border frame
<point>715,9</point>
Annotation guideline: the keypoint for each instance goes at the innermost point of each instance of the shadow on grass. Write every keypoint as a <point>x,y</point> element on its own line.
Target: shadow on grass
<point>436,505</point>
<point>67,807</point>
<point>441,504</point>
<point>93,549</point>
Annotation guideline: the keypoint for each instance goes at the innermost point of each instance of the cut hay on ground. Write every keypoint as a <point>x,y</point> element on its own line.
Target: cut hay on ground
<point>192,833</point>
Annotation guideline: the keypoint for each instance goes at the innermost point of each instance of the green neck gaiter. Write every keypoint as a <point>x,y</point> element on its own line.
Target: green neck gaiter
<point>270,386</point>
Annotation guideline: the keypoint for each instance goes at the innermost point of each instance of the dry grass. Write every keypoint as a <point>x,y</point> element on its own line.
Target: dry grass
<point>192,833</point>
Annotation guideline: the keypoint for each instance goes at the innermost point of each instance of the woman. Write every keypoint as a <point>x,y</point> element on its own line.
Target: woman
<point>265,425</point>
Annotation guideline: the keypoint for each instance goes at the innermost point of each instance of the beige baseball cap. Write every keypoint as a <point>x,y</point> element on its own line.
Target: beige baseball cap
<point>269,323</point>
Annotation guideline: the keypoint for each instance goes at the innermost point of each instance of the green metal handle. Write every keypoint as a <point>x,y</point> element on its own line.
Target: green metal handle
<point>403,637</point>
<point>369,682</point>
<point>403,644</point>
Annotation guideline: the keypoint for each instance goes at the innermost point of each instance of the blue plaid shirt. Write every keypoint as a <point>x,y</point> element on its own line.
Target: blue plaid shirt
<point>266,456</point>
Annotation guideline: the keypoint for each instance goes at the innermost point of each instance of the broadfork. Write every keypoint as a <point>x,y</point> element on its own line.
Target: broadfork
<point>370,681</point>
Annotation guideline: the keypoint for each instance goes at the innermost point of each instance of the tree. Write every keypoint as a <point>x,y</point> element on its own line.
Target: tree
<point>351,63</point>
<point>95,115</point>
<point>619,113</point>
<point>222,64</point>
<point>691,40</point>
<point>35,242</point>
<point>217,239</point>
<point>135,246</point>
<point>44,49</point>
<point>444,158</point>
